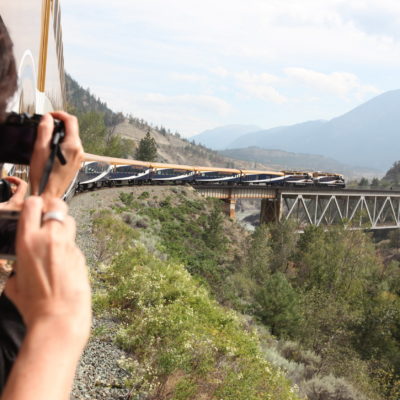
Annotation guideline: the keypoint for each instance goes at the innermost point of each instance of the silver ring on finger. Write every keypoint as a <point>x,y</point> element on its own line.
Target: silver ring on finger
<point>54,215</point>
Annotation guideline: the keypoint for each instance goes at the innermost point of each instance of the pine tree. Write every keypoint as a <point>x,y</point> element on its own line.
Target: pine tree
<point>147,150</point>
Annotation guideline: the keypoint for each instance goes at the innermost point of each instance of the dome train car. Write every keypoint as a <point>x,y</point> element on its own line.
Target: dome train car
<point>101,173</point>
<point>35,29</point>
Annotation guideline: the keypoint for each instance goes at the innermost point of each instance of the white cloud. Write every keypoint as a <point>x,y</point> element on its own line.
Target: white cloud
<point>259,86</point>
<point>253,84</point>
<point>219,71</point>
<point>188,77</point>
<point>342,84</point>
<point>247,77</point>
<point>195,54</point>
<point>266,93</point>
<point>200,103</point>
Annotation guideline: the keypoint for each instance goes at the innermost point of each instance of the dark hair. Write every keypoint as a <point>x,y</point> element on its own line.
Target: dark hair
<point>8,71</point>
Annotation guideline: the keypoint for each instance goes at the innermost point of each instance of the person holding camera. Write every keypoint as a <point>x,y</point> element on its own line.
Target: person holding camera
<point>45,310</point>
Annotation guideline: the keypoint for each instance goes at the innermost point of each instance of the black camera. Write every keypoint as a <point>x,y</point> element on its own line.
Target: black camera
<point>8,230</point>
<point>5,190</point>
<point>18,135</point>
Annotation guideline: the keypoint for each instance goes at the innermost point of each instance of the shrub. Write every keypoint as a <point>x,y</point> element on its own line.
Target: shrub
<point>297,373</point>
<point>136,221</point>
<point>144,195</point>
<point>170,324</point>
<point>331,388</point>
<point>179,338</point>
<point>112,234</point>
<point>293,351</point>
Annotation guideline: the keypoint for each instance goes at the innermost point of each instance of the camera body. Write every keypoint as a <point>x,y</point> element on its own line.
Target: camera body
<point>18,135</point>
<point>17,140</point>
<point>8,231</point>
<point>5,190</point>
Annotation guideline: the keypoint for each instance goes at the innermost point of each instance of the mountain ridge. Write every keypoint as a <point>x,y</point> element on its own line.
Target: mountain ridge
<point>366,136</point>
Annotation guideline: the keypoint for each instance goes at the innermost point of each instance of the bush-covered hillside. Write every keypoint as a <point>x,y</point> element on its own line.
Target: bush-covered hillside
<point>202,306</point>
<point>182,343</point>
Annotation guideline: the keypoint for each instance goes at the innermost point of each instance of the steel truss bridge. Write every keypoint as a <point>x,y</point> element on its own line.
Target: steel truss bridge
<point>357,209</point>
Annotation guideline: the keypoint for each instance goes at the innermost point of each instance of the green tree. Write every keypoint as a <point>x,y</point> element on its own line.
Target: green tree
<point>363,182</point>
<point>278,305</point>
<point>116,146</point>
<point>93,132</point>
<point>283,244</point>
<point>147,150</point>
<point>259,255</point>
<point>375,183</point>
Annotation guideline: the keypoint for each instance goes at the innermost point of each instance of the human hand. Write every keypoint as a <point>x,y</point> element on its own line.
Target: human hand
<point>18,188</point>
<point>61,175</point>
<point>51,283</point>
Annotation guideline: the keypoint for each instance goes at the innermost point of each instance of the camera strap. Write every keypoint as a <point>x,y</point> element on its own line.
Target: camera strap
<point>55,151</point>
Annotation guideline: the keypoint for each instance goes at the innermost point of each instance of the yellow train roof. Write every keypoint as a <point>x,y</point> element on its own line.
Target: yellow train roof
<point>211,169</point>
<point>115,161</point>
<point>123,161</point>
<point>250,171</point>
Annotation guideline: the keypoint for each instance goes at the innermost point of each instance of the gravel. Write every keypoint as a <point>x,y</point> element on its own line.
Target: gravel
<point>99,375</point>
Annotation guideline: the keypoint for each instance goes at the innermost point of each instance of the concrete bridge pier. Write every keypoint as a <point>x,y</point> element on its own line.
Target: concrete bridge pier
<point>271,210</point>
<point>229,207</point>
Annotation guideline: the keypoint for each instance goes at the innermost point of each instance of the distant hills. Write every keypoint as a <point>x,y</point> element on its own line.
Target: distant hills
<point>175,149</point>
<point>218,138</point>
<point>298,161</point>
<point>172,148</point>
<point>367,136</point>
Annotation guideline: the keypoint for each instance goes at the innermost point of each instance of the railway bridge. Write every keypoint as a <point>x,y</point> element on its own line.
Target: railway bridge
<point>359,209</point>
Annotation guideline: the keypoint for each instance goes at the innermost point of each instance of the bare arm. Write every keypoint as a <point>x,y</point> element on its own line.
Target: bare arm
<point>51,291</point>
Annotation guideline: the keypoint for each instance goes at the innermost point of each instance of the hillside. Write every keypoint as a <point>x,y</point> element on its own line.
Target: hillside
<point>172,278</point>
<point>159,333</point>
<point>172,148</point>
<point>393,174</point>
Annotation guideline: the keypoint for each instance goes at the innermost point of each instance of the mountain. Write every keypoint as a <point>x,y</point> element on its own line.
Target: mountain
<point>297,161</point>
<point>367,135</point>
<point>393,175</point>
<point>217,138</point>
<point>282,137</point>
<point>172,148</point>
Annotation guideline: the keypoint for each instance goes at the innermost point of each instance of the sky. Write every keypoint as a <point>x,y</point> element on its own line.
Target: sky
<point>192,65</point>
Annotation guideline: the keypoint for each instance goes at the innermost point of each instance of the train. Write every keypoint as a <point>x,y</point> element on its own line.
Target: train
<point>99,174</point>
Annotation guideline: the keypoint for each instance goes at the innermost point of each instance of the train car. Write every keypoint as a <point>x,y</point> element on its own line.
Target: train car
<point>205,175</point>
<point>298,178</point>
<point>328,179</point>
<point>129,174</point>
<point>93,175</point>
<point>174,175</point>
<point>35,29</point>
<point>273,178</point>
